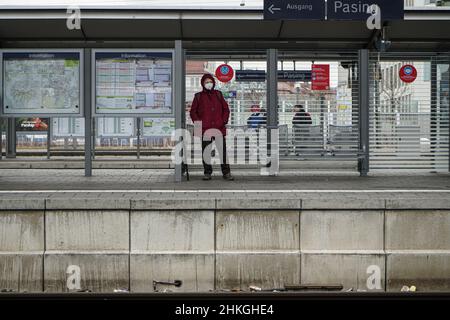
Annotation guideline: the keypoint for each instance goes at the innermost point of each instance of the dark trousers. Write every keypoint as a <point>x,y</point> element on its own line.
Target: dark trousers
<point>222,154</point>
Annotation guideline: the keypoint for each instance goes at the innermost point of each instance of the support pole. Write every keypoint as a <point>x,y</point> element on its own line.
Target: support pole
<point>272,103</point>
<point>363,99</point>
<point>272,88</point>
<point>447,107</point>
<point>11,138</point>
<point>434,113</point>
<point>138,133</point>
<point>1,138</point>
<point>179,89</point>
<point>49,137</point>
<point>87,114</point>
<point>94,136</point>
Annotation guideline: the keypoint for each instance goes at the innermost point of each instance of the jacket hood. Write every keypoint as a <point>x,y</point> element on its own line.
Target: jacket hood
<point>207,76</point>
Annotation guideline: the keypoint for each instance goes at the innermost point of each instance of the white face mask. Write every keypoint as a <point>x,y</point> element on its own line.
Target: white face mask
<point>208,86</point>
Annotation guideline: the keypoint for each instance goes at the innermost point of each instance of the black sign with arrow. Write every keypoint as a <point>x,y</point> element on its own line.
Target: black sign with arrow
<point>260,75</point>
<point>294,10</point>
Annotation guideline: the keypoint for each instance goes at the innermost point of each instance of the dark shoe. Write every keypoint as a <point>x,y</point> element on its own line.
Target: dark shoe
<point>228,177</point>
<point>207,176</point>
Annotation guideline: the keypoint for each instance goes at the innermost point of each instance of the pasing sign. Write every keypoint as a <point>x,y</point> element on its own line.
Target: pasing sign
<point>408,73</point>
<point>224,73</point>
<point>260,75</point>
<point>360,9</point>
<point>320,77</point>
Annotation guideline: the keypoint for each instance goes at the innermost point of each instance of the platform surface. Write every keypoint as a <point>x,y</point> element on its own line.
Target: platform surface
<point>115,188</point>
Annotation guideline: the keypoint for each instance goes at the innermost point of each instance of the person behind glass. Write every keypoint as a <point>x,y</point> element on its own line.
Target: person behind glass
<point>300,123</point>
<point>257,119</point>
<point>210,108</point>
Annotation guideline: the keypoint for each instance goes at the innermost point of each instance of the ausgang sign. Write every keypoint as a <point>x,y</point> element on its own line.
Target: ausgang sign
<point>358,9</point>
<point>294,9</point>
<point>331,10</point>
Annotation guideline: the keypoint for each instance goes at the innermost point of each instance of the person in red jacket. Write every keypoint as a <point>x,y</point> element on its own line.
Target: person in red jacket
<point>210,107</point>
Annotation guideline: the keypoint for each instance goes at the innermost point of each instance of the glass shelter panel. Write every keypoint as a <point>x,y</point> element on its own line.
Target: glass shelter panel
<point>409,120</point>
<point>318,107</point>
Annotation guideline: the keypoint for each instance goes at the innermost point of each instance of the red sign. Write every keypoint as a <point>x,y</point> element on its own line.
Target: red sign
<point>224,73</point>
<point>320,77</point>
<point>32,124</point>
<point>408,73</point>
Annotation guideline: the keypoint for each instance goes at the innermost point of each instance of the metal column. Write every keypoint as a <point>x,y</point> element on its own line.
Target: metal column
<point>272,107</point>
<point>138,136</point>
<point>1,138</point>
<point>447,105</point>
<point>272,88</point>
<point>11,138</point>
<point>179,99</point>
<point>94,135</point>
<point>49,137</point>
<point>87,114</point>
<point>363,100</point>
<point>434,113</point>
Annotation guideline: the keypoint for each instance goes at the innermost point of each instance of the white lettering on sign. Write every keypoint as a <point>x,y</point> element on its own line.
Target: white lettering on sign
<point>74,277</point>
<point>359,7</point>
<point>300,7</point>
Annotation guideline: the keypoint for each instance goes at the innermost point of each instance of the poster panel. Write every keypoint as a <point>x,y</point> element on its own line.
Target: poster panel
<point>133,83</point>
<point>116,127</point>
<point>32,125</point>
<point>67,127</point>
<point>41,83</point>
<point>158,127</point>
<point>320,77</point>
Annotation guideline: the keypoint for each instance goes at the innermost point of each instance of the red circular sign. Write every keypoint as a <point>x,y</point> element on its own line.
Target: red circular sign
<point>408,73</point>
<point>224,73</point>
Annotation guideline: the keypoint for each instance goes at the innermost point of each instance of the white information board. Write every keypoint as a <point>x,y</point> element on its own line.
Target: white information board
<point>67,127</point>
<point>41,83</point>
<point>115,127</point>
<point>158,127</point>
<point>133,83</point>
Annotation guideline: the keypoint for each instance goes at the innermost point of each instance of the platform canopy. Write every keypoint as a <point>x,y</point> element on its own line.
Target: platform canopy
<point>221,24</point>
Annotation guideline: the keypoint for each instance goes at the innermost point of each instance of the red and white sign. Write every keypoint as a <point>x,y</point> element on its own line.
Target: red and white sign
<point>320,77</point>
<point>408,73</point>
<point>224,73</point>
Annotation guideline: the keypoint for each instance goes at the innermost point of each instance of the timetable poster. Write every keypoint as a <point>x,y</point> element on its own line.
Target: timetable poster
<point>67,127</point>
<point>133,83</point>
<point>116,127</point>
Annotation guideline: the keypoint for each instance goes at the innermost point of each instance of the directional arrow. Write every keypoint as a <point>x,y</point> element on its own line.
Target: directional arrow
<point>272,9</point>
<point>293,9</point>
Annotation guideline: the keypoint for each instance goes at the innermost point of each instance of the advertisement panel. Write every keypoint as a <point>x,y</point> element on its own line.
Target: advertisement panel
<point>32,125</point>
<point>320,77</point>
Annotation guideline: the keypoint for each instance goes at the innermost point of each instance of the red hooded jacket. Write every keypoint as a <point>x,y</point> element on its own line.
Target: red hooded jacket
<point>210,107</point>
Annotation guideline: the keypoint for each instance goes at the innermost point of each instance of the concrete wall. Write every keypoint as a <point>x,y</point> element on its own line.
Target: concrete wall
<point>372,245</point>
<point>21,250</point>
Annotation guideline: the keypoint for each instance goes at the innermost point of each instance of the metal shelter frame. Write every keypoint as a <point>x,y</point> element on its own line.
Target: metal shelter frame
<point>243,32</point>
